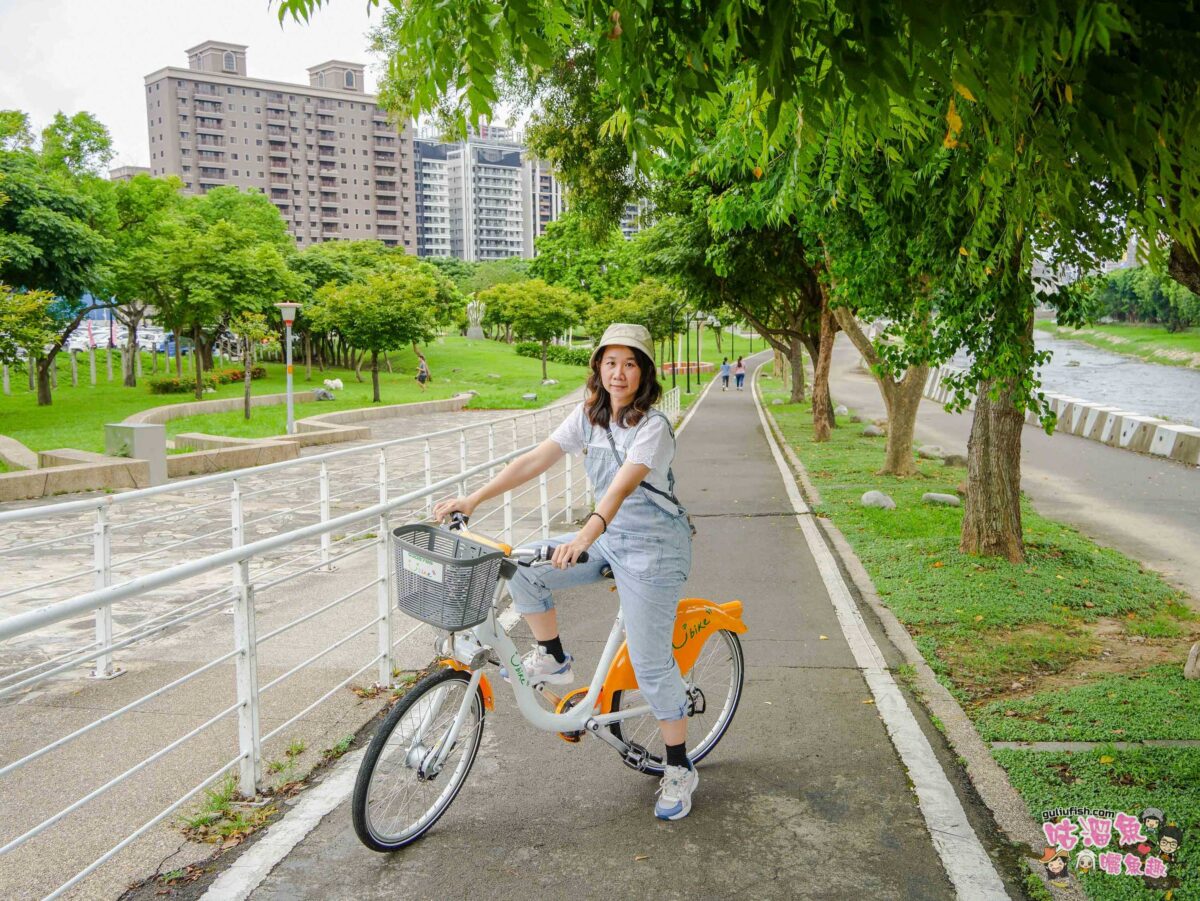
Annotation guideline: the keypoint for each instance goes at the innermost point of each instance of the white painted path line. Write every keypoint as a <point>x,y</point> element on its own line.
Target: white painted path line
<point>251,868</point>
<point>967,864</point>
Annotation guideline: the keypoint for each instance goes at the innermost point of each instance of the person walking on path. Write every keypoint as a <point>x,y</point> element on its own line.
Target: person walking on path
<point>638,529</point>
<point>422,371</point>
<point>739,373</point>
<point>725,374</point>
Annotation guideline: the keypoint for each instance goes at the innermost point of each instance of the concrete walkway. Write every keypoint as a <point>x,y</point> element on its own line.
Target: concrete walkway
<point>806,797</point>
<point>1146,507</point>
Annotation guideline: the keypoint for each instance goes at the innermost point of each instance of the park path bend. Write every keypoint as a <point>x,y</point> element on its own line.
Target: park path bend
<point>806,796</point>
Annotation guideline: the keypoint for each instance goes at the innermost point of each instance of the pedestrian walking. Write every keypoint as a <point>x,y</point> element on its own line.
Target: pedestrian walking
<point>739,373</point>
<point>638,529</point>
<point>422,371</point>
<point>725,374</point>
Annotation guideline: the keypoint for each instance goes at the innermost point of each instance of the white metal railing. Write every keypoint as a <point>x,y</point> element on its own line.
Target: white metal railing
<point>246,572</point>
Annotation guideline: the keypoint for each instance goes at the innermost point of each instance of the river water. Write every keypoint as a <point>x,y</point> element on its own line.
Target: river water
<point>1102,377</point>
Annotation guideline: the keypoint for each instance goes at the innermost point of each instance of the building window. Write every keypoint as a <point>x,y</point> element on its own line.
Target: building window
<point>350,80</point>
<point>230,62</point>
<point>320,79</point>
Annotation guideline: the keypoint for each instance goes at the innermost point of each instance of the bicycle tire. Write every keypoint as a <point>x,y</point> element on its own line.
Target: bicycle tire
<point>644,729</point>
<point>364,804</point>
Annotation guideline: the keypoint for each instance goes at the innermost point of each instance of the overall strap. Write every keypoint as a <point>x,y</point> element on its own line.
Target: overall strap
<point>669,494</point>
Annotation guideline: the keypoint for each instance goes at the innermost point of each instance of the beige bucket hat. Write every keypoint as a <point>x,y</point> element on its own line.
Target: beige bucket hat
<point>628,335</point>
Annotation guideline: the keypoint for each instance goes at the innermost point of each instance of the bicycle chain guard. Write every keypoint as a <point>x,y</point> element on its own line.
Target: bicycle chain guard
<point>566,703</point>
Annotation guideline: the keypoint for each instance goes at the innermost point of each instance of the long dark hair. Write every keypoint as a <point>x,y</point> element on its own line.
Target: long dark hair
<point>598,405</point>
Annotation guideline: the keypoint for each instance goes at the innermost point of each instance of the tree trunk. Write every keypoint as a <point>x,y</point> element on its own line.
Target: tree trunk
<point>178,355</point>
<point>129,357</point>
<point>822,404</point>
<point>74,369</point>
<point>307,355</point>
<point>108,360</point>
<point>902,400</point>
<point>248,362</point>
<point>375,377</point>
<point>544,376</point>
<point>43,378</point>
<point>198,362</point>
<point>796,359</point>
<point>357,359</point>
<point>154,359</point>
<point>387,362</point>
<point>991,524</point>
<point>717,332</point>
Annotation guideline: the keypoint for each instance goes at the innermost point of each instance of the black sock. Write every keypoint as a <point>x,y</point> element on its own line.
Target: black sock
<point>677,755</point>
<point>553,647</point>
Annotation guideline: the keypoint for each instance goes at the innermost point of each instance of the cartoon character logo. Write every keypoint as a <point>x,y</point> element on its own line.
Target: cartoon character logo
<point>1152,818</point>
<point>1085,861</point>
<point>1055,860</point>
<point>1169,840</point>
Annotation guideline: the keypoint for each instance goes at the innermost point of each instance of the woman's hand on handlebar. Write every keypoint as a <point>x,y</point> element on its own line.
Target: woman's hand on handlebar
<point>443,508</point>
<point>568,554</point>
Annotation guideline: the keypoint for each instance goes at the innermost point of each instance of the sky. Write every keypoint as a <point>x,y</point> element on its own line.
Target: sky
<point>93,55</point>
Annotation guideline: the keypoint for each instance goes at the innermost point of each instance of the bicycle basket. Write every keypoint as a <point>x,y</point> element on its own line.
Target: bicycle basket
<point>443,579</point>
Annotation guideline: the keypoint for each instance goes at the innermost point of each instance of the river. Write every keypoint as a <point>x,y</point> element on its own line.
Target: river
<point>1103,377</point>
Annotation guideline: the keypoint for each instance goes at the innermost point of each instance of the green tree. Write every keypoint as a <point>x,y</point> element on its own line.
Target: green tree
<point>51,240</point>
<point>541,312</point>
<point>26,323</point>
<point>384,312</point>
<point>570,254</point>
<point>15,133</point>
<point>80,144</point>
<point>142,210</point>
<point>251,328</point>
<point>652,303</point>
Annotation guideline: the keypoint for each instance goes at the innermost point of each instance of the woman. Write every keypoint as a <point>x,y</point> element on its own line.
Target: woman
<point>422,371</point>
<point>725,374</point>
<point>739,373</point>
<point>638,529</point>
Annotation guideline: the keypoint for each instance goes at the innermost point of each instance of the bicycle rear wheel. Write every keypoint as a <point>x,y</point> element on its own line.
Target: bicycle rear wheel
<point>398,795</point>
<point>714,688</point>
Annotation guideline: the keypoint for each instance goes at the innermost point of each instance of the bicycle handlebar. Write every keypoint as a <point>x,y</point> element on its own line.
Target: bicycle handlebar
<point>458,521</point>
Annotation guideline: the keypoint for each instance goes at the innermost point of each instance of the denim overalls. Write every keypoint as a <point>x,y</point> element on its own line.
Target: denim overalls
<point>649,548</point>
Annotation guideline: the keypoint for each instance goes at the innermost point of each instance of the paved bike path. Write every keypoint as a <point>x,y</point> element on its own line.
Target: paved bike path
<point>805,797</point>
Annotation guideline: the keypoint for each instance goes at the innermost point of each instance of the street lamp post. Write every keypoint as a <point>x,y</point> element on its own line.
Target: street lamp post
<point>288,312</point>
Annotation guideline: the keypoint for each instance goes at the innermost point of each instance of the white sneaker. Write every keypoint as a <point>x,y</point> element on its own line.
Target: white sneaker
<point>540,667</point>
<point>675,792</point>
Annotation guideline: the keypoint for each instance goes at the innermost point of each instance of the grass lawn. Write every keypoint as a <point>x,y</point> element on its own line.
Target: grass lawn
<point>1149,342</point>
<point>77,416</point>
<point>1078,643</point>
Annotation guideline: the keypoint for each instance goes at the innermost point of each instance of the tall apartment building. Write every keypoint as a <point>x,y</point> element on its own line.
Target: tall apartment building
<point>483,198</point>
<point>325,152</point>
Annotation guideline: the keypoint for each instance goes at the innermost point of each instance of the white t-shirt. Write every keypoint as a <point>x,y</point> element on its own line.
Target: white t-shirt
<point>649,443</point>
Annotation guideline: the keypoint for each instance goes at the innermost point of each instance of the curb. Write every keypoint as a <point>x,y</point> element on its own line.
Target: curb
<point>988,778</point>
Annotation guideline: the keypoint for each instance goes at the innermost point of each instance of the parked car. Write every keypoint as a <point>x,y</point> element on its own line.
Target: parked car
<point>167,346</point>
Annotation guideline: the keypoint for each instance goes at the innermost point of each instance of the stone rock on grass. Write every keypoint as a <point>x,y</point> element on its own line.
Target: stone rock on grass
<point>840,410</point>
<point>493,375</point>
<point>529,397</point>
<point>878,499</point>
<point>322,394</point>
<point>549,381</point>
<point>856,418</point>
<point>945,500</point>
<point>872,431</point>
<point>931,452</point>
<point>1191,669</point>
<point>955,460</point>
<point>777,402</point>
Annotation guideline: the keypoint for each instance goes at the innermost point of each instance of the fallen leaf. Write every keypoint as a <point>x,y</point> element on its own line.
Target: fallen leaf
<point>978,617</point>
<point>824,638</point>
<point>868,701</point>
<point>964,91</point>
<point>641,857</point>
<point>938,564</point>
<point>1070,96</point>
<point>1106,759</point>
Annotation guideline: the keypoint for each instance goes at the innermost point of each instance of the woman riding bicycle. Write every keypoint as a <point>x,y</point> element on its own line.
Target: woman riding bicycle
<point>638,529</point>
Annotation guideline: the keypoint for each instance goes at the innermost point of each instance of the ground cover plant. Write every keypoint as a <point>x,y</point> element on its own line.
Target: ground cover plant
<point>1078,643</point>
<point>1149,342</point>
<point>77,417</point>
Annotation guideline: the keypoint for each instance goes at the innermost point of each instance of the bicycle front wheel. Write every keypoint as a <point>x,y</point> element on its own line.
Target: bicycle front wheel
<point>401,791</point>
<point>714,687</point>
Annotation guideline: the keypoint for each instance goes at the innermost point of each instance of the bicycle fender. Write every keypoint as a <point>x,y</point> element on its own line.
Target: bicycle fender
<point>695,620</point>
<point>484,685</point>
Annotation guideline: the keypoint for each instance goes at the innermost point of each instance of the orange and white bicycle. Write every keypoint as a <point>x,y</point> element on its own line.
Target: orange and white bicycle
<point>422,754</point>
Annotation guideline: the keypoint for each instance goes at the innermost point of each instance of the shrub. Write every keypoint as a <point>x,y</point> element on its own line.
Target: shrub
<point>571,356</point>
<point>169,384</point>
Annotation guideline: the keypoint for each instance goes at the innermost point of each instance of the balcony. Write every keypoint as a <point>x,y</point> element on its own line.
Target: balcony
<point>207,90</point>
<point>328,167</point>
<point>279,165</point>
<point>327,153</point>
<point>328,182</point>
<point>325,135</point>
<point>210,140</point>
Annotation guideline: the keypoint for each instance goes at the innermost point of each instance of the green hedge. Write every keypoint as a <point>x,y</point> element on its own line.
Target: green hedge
<point>572,356</point>
<point>171,385</point>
